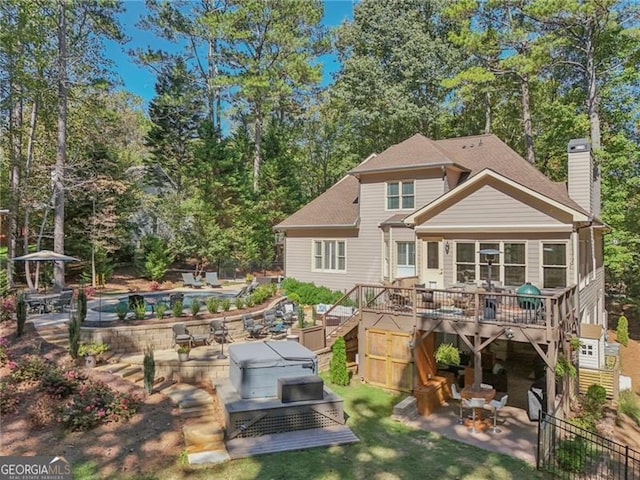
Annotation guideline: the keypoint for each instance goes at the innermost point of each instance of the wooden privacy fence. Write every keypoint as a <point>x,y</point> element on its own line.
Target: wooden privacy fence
<point>609,379</point>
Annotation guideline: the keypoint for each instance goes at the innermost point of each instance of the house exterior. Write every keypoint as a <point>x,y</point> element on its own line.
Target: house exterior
<point>420,220</point>
<point>425,208</point>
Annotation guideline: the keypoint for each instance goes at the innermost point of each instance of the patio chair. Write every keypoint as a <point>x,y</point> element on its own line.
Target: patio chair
<point>219,332</point>
<point>497,405</point>
<point>175,297</point>
<point>251,327</point>
<point>181,335</point>
<point>63,302</point>
<point>474,404</point>
<point>455,394</point>
<point>190,281</point>
<point>212,279</point>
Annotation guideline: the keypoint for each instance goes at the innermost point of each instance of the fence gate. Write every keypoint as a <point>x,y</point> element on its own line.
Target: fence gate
<point>388,360</point>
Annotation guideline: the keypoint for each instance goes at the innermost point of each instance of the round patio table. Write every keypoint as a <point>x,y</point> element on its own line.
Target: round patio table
<point>487,394</point>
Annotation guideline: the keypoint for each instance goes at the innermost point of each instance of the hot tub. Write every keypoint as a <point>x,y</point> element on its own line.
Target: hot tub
<point>254,368</point>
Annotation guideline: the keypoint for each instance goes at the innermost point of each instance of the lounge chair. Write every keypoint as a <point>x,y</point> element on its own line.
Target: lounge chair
<point>190,281</point>
<point>212,279</point>
<point>63,302</point>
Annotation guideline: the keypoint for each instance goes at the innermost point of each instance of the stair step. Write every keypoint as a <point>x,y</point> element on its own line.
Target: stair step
<point>203,434</point>
<point>113,367</point>
<point>136,377</point>
<point>127,372</point>
<point>197,412</point>
<point>194,402</point>
<point>206,447</point>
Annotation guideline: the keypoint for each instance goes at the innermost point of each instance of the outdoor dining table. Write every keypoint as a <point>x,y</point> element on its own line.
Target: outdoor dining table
<point>487,394</point>
<point>41,301</point>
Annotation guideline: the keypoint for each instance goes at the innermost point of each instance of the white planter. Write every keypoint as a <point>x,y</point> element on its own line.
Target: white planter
<point>183,357</point>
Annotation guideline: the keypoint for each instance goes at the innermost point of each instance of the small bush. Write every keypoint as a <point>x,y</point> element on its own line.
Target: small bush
<point>4,351</point>
<point>160,309</point>
<point>121,310</point>
<point>149,365</point>
<point>95,403</point>
<point>195,306</point>
<point>213,304</point>
<point>57,383</point>
<point>572,454</point>
<point>7,308</point>
<point>28,368</point>
<point>338,373</point>
<point>239,303</point>
<point>177,308</point>
<point>9,397</point>
<point>74,336</point>
<point>622,330</point>
<point>21,313</point>
<point>628,405</point>
<point>139,310</point>
<point>226,304</point>
<point>82,305</point>
<point>249,301</point>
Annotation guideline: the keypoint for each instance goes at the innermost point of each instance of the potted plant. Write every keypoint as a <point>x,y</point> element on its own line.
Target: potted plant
<point>310,335</point>
<point>183,352</point>
<point>90,351</point>
<point>448,354</point>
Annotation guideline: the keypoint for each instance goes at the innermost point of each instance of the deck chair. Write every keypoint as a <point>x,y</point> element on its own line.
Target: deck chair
<point>212,279</point>
<point>190,281</point>
<point>253,329</point>
<point>181,335</point>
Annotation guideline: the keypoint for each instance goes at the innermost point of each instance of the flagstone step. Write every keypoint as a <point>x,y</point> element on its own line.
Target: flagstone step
<point>199,411</point>
<point>200,435</point>
<point>113,367</point>
<point>129,371</point>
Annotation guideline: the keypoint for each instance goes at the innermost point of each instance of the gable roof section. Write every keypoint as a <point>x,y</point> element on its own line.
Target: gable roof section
<point>415,152</point>
<point>577,213</point>
<point>337,207</point>
<point>480,152</point>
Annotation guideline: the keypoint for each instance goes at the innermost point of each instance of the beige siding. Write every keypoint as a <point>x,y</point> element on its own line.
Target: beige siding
<point>591,282</point>
<point>580,184</point>
<point>299,257</point>
<point>490,206</point>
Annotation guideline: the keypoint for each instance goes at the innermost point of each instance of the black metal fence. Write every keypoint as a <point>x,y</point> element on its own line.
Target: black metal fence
<point>570,452</point>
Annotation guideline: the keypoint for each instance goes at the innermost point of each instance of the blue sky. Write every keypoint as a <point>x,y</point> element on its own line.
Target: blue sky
<point>141,81</point>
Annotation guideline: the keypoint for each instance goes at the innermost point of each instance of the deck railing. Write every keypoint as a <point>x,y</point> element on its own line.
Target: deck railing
<point>537,311</point>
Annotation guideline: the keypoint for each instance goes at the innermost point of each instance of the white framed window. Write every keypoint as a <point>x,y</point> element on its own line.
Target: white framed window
<point>508,268</point>
<point>405,259</point>
<point>400,195</point>
<point>554,265</point>
<point>329,256</point>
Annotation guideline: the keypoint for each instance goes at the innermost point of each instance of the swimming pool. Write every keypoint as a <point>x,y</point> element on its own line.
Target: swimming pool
<point>153,298</point>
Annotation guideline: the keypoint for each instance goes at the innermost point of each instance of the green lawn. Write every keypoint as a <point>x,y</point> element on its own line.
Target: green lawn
<point>387,450</point>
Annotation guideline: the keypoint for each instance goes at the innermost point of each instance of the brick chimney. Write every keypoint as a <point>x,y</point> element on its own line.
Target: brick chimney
<point>583,176</point>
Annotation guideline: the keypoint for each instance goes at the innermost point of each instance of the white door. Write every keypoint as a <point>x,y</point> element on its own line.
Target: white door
<point>432,272</point>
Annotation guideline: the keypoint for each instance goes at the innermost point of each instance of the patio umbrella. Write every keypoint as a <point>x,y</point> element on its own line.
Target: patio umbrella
<point>46,256</point>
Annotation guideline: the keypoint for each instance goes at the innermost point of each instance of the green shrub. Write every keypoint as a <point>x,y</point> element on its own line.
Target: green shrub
<point>95,403</point>
<point>596,397</point>
<point>622,330</point>
<point>82,305</point>
<point>195,306</point>
<point>154,257</point>
<point>628,405</point>
<point>139,310</point>
<point>572,454</point>
<point>4,283</point>
<point>160,309</point>
<point>564,368</point>
<point>226,304</point>
<point>177,308</point>
<point>9,397</point>
<point>74,336</point>
<point>4,351</point>
<point>121,310</point>
<point>309,293</point>
<point>57,383</point>
<point>21,313</point>
<point>92,348</point>
<point>338,373</point>
<point>213,304</point>
<point>29,367</point>
<point>249,301</point>
<point>149,366</point>
<point>239,303</point>
<point>447,354</point>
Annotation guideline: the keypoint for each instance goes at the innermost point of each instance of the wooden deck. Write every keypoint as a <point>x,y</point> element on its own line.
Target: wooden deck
<point>297,440</point>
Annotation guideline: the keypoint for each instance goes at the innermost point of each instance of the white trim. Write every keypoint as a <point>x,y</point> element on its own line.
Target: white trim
<point>500,266</point>
<point>313,255</point>
<point>577,216</point>
<point>400,184</point>
<point>567,260</point>
<point>493,228</point>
